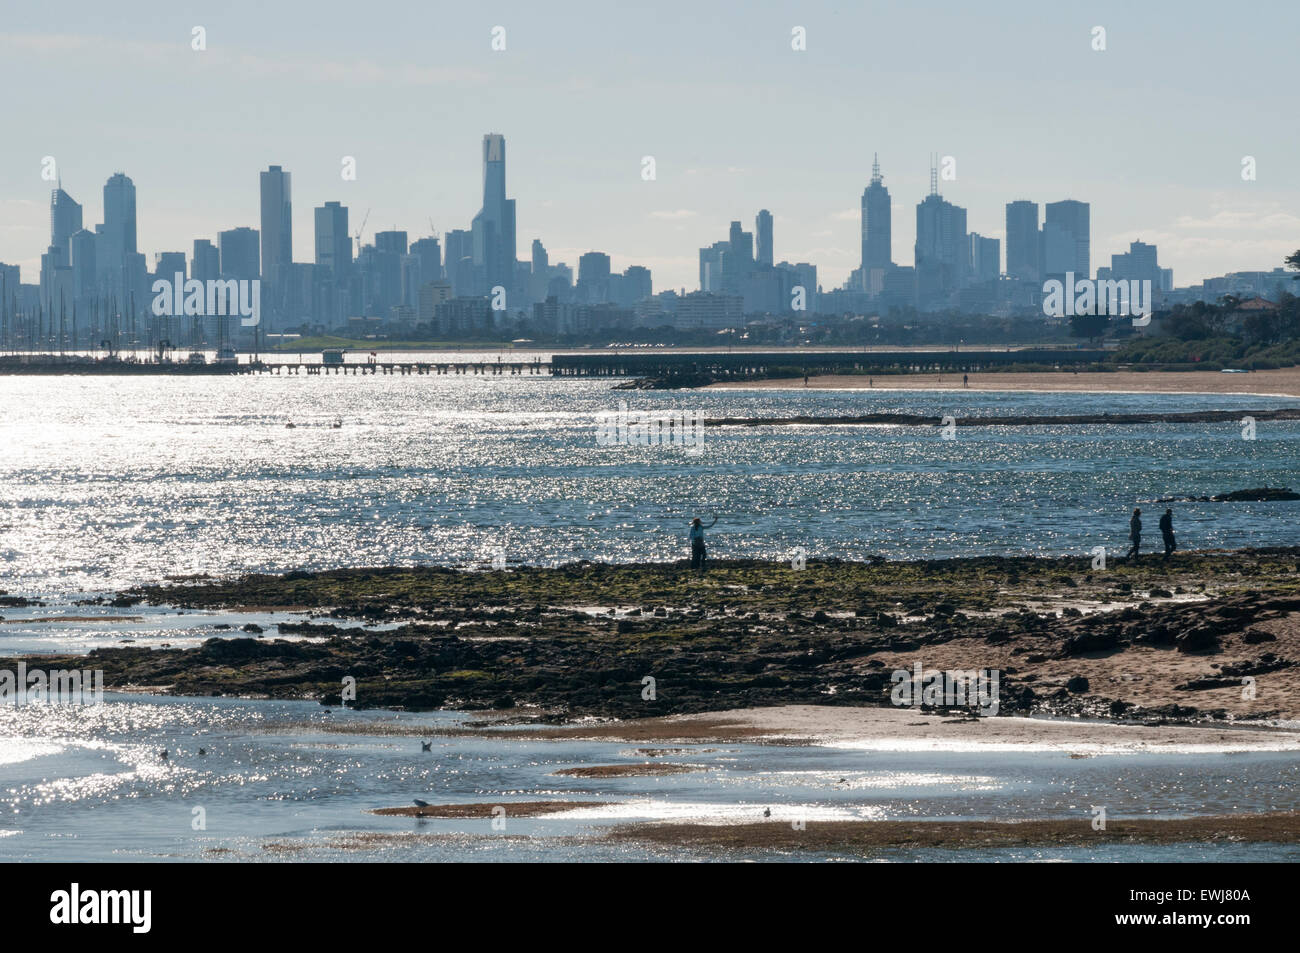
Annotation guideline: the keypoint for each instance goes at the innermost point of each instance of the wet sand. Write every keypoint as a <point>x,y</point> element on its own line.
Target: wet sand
<point>512,809</point>
<point>1283,382</point>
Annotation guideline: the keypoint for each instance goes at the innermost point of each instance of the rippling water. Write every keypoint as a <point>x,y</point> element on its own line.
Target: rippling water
<point>277,783</point>
<point>111,481</point>
<point>108,482</point>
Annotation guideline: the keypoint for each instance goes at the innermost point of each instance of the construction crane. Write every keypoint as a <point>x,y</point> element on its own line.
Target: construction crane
<point>361,229</point>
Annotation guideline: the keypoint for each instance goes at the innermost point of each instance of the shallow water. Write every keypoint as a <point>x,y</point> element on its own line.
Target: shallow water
<point>112,481</point>
<point>87,783</point>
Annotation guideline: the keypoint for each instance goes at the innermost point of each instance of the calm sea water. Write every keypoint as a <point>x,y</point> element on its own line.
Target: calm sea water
<point>112,481</point>
<point>108,482</point>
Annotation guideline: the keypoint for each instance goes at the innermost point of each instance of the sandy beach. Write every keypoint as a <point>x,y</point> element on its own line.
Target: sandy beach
<point>1284,382</point>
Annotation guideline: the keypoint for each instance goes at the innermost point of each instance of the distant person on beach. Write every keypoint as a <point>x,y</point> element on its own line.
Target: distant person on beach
<point>697,542</point>
<point>1134,534</point>
<point>965,380</point>
<point>1167,531</point>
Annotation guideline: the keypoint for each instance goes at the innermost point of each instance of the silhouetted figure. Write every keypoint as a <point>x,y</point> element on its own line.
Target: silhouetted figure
<point>697,544</point>
<point>426,745</point>
<point>965,380</point>
<point>1167,531</point>
<point>1134,534</point>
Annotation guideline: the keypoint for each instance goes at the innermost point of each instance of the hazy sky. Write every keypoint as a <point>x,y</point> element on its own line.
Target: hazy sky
<point>1151,132</point>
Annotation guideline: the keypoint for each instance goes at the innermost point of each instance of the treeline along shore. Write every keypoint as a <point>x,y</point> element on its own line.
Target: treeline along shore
<point>1211,635</point>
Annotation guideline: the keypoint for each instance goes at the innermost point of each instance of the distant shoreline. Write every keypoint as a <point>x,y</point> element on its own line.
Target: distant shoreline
<point>1280,383</point>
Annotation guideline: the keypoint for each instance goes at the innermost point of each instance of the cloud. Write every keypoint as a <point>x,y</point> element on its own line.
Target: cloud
<point>675,214</point>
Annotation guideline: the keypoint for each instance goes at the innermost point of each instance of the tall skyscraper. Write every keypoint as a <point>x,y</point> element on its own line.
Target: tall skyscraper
<point>1023,244</point>
<point>763,235</point>
<point>493,227</point>
<point>277,221</point>
<point>1066,239</point>
<point>65,219</point>
<point>333,243</point>
<point>942,253</point>
<point>877,227</point>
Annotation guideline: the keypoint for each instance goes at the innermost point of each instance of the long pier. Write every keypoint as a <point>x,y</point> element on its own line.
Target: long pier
<point>402,368</point>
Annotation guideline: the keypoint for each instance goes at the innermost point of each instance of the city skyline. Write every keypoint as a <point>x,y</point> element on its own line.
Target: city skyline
<point>1161,169</point>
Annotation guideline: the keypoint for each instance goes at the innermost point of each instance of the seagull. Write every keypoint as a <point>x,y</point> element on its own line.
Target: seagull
<point>202,752</point>
<point>164,754</point>
<point>767,812</point>
<point>426,745</point>
<point>419,803</point>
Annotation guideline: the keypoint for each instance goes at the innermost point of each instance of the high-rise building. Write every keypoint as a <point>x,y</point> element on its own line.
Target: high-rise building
<point>239,249</point>
<point>81,256</point>
<point>277,221</point>
<point>1139,263</point>
<point>493,227</point>
<point>942,252</point>
<point>877,230</point>
<point>763,235</point>
<point>115,247</point>
<point>1023,243</point>
<point>205,261</point>
<point>985,258</point>
<point>168,263</point>
<point>593,278</point>
<point>1066,239</point>
<point>333,243</point>
<point>65,219</point>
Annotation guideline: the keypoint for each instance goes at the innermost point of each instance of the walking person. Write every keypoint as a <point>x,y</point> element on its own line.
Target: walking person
<point>1167,531</point>
<point>1134,534</point>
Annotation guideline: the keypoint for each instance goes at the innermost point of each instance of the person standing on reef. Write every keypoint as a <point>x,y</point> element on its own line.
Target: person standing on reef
<point>1134,534</point>
<point>1167,531</point>
<point>697,543</point>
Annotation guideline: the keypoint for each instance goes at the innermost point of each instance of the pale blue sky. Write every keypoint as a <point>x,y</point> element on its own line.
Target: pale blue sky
<point>1151,131</point>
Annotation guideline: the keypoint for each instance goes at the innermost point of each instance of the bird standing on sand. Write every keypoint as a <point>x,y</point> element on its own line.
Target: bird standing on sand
<point>767,812</point>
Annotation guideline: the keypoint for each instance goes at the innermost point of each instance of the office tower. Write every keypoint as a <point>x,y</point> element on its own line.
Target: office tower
<point>240,256</point>
<point>115,247</point>
<point>1023,243</point>
<point>637,285</point>
<point>429,251</point>
<point>205,263</point>
<point>333,243</point>
<point>541,261</point>
<point>277,221</point>
<point>877,228</point>
<point>985,254</point>
<point>741,260</point>
<point>493,228</point>
<point>458,246</point>
<point>393,242</point>
<point>65,219</point>
<point>1066,239</point>
<point>711,260</point>
<point>168,263</point>
<point>763,235</point>
<point>81,256</point>
<point>1139,263</point>
<point>942,251</point>
<point>593,277</point>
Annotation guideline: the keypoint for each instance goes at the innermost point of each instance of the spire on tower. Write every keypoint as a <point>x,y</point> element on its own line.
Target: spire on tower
<point>934,173</point>
<point>875,169</point>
